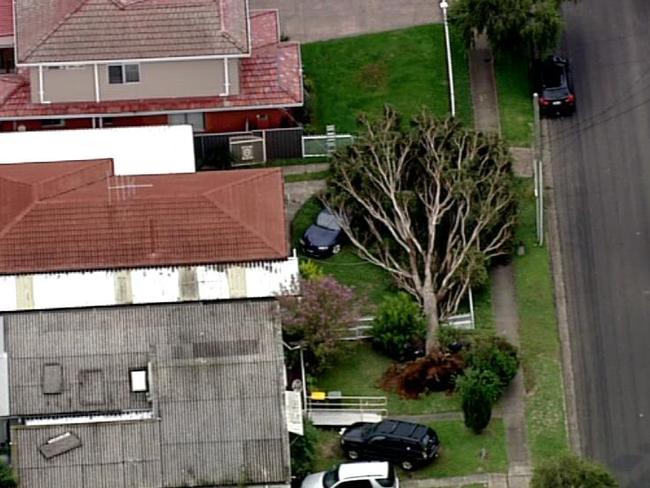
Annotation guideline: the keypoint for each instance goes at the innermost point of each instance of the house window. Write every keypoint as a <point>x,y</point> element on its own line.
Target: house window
<point>123,73</point>
<point>194,119</point>
<point>46,123</point>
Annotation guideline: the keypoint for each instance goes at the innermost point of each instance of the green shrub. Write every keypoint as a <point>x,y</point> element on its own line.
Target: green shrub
<point>449,337</point>
<point>570,471</point>
<point>399,328</point>
<point>479,390</point>
<point>494,354</point>
<point>303,451</point>
<point>310,270</point>
<point>7,477</point>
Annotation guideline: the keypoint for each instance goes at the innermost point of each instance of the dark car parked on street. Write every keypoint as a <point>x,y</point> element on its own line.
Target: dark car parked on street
<point>323,238</point>
<point>407,444</point>
<point>555,87</point>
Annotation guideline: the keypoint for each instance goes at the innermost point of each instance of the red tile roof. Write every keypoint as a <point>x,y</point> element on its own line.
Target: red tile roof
<point>96,30</point>
<point>6,18</point>
<point>69,216</point>
<point>272,76</point>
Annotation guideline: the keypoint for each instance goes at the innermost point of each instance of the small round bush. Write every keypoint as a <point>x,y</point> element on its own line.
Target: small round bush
<point>7,476</point>
<point>494,354</point>
<point>399,328</point>
<point>570,471</point>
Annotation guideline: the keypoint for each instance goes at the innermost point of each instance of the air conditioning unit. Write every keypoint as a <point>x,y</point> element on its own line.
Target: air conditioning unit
<point>247,150</point>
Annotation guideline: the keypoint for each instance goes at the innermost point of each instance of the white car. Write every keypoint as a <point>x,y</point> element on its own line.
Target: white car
<point>374,474</point>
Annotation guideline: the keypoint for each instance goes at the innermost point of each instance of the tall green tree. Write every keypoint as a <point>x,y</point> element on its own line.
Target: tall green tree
<point>479,390</point>
<point>431,205</point>
<point>570,471</point>
<point>511,24</point>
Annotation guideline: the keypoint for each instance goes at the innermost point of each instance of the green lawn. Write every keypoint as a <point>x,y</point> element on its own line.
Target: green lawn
<point>359,373</point>
<point>462,452</point>
<point>540,343</point>
<point>405,68</point>
<point>515,99</point>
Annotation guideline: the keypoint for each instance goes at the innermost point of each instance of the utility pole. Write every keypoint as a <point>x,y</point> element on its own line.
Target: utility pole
<point>450,67</point>
<point>538,171</point>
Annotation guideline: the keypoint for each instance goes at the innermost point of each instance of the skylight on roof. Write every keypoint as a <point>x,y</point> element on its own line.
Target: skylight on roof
<point>139,380</point>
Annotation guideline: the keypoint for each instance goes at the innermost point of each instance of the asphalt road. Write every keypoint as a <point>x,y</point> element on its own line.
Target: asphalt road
<point>601,166</point>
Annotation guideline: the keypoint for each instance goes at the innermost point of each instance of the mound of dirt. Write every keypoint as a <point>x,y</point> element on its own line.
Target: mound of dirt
<point>434,372</point>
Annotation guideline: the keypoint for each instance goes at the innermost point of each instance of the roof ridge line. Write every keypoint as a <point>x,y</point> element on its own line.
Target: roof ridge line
<point>268,171</point>
<point>56,28</point>
<point>5,230</point>
<point>230,39</point>
<point>74,172</point>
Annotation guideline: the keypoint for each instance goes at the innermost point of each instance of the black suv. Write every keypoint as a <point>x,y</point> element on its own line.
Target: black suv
<point>555,87</point>
<point>405,443</point>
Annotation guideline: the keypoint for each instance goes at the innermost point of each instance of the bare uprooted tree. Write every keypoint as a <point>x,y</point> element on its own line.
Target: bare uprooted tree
<point>431,205</point>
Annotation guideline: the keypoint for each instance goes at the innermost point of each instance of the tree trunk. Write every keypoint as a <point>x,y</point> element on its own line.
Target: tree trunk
<point>430,308</point>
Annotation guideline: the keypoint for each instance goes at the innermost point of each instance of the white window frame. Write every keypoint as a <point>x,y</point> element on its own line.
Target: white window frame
<point>123,68</point>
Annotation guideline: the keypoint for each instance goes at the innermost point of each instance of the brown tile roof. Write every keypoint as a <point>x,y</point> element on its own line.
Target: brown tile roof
<point>89,30</point>
<point>272,76</point>
<point>67,216</point>
<point>6,18</point>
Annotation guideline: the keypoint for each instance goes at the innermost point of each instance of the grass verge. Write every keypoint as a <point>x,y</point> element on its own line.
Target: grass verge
<point>463,453</point>
<point>405,68</point>
<point>540,343</point>
<point>360,372</point>
<point>307,176</point>
<point>297,161</point>
<point>515,99</point>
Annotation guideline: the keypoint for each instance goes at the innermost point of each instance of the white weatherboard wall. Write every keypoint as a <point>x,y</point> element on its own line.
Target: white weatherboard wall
<point>151,285</point>
<point>134,150</point>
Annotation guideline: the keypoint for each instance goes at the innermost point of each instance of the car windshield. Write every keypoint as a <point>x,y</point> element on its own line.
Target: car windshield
<point>327,221</point>
<point>330,478</point>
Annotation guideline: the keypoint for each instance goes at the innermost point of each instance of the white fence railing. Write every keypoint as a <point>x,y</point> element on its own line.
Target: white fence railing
<point>336,409</point>
<point>314,146</point>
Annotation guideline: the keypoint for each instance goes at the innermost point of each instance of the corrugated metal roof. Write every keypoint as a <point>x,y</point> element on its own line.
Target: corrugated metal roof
<point>220,403</point>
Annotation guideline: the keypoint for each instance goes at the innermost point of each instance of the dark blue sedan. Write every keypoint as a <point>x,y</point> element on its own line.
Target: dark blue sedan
<point>322,239</point>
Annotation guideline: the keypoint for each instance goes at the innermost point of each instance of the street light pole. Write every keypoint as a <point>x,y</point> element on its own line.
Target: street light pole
<point>450,68</point>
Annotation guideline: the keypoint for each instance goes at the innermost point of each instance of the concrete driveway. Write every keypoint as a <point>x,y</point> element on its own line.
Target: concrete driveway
<point>316,20</point>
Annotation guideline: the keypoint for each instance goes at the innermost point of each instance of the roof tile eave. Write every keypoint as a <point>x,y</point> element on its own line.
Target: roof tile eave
<point>275,255</point>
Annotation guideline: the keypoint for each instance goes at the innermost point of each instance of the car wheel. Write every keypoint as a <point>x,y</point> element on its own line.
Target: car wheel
<point>352,455</point>
<point>406,465</point>
<point>336,249</point>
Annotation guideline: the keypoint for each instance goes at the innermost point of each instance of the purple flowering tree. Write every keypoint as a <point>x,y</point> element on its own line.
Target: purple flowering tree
<point>319,317</point>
